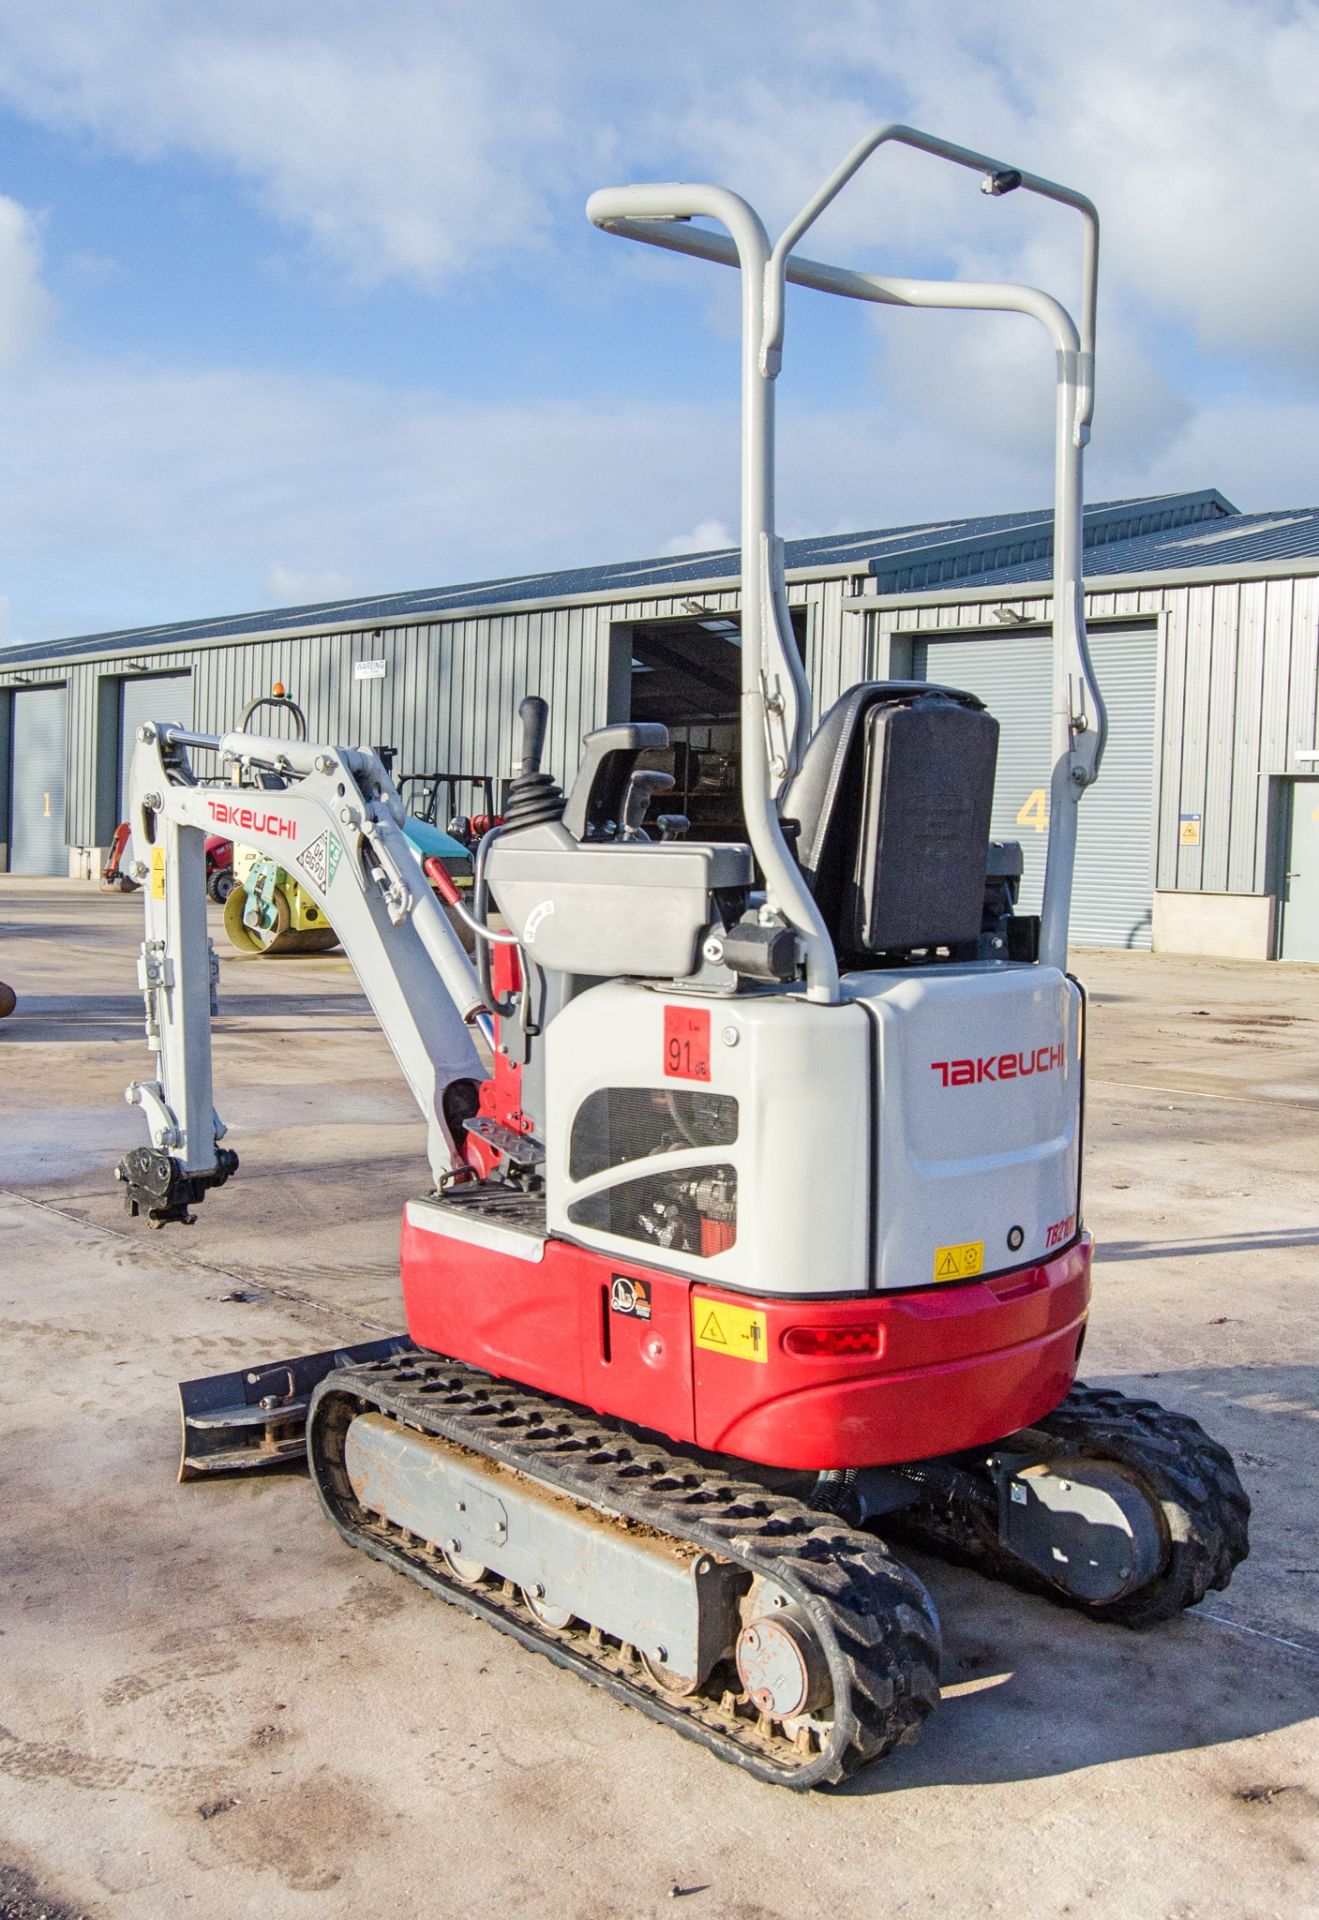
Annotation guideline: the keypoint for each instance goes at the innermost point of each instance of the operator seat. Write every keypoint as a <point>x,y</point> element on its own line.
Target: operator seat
<point>891,809</point>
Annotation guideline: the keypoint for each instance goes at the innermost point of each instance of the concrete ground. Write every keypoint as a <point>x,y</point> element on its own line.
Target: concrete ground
<point>211,1707</point>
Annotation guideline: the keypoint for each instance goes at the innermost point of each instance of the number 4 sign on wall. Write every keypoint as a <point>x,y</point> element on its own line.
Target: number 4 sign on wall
<point>1035,813</point>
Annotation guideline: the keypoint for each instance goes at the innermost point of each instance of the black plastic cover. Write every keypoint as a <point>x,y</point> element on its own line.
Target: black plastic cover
<point>927,791</point>
<point>892,806</point>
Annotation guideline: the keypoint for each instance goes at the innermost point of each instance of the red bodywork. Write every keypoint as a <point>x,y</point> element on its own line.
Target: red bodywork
<point>219,853</point>
<point>853,1380</point>
<point>956,1367</point>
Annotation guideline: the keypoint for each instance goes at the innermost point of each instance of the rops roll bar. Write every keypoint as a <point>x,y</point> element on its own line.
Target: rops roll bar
<point>775,696</point>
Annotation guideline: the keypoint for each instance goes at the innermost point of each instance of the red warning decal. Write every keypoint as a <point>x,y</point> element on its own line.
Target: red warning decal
<point>687,1043</point>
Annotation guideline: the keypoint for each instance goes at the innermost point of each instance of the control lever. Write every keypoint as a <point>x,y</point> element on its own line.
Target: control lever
<point>534,798</point>
<point>645,783</point>
<point>534,713</point>
<point>609,757</point>
<point>673,826</point>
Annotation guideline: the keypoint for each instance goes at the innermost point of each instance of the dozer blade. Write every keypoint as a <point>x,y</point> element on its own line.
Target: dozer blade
<point>257,1417</point>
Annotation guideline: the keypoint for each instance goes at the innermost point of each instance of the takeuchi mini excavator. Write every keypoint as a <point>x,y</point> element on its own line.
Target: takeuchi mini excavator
<point>759,1246</point>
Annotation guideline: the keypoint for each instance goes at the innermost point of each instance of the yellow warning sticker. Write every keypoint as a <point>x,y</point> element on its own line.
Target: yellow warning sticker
<point>158,873</point>
<point>959,1263</point>
<point>740,1332</point>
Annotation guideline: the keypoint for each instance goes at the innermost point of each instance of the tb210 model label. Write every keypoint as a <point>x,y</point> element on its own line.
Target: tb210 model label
<point>1060,1230</point>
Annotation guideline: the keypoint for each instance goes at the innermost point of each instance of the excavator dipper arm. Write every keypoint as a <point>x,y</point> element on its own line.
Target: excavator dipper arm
<point>336,824</point>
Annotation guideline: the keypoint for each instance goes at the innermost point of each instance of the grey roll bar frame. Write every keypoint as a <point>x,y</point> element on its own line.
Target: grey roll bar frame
<point>775,696</point>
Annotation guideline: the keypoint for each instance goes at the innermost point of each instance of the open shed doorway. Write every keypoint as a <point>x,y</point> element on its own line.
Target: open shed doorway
<point>688,673</point>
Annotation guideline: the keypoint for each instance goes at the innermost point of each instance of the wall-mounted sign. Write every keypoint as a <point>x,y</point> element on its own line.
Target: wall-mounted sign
<point>368,669</point>
<point>1189,833</point>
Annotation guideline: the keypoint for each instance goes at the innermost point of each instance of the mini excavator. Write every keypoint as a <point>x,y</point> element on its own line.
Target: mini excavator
<point>759,1248</point>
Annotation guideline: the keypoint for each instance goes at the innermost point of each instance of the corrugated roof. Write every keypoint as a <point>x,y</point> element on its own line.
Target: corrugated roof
<point>1244,539</point>
<point>985,548</point>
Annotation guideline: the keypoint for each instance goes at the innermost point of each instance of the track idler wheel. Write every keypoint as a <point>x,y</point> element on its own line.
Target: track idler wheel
<point>557,1619</point>
<point>1202,1507</point>
<point>467,1570</point>
<point>1167,1516</point>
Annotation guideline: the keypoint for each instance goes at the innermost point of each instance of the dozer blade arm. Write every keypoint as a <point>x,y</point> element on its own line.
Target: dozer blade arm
<point>337,825</point>
<point>257,1416</point>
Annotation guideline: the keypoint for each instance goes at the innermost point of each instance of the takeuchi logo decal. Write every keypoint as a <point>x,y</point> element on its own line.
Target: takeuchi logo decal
<point>227,813</point>
<point>998,1066</point>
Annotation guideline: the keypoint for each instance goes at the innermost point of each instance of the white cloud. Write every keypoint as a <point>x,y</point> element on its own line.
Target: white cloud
<point>153,495</point>
<point>1260,452</point>
<point>303,586</point>
<point>704,537</point>
<point>424,139</point>
<point>399,142</point>
<point>1194,124</point>
<point>992,379</point>
<point>147,496</point>
<point>26,309</point>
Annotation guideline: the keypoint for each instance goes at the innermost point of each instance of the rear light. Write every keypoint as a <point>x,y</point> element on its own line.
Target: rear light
<point>838,1343</point>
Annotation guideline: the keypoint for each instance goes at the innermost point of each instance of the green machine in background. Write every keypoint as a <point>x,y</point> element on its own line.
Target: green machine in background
<point>266,911</point>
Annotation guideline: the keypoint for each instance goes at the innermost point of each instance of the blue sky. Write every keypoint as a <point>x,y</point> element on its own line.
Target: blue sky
<point>299,300</point>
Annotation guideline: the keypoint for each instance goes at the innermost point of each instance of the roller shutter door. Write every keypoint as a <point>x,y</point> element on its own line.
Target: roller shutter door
<point>1112,899</point>
<point>36,798</point>
<point>159,696</point>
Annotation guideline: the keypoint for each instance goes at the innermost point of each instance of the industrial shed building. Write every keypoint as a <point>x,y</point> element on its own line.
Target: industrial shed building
<point>1202,835</point>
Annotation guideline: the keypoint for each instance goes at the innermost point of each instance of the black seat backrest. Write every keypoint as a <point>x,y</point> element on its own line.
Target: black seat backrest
<point>892,806</point>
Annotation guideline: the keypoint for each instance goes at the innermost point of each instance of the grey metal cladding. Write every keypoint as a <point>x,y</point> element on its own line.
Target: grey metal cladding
<point>1237,698</point>
<point>1111,901</point>
<point>1236,659</point>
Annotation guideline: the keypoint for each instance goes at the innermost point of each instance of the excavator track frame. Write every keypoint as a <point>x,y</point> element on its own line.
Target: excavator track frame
<point>873,1620</point>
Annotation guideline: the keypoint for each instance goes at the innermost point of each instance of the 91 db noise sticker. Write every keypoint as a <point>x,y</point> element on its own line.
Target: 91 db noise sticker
<point>686,1043</point>
<point>629,1296</point>
<point>321,859</point>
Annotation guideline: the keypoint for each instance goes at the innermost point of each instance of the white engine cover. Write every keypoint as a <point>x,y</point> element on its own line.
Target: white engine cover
<point>978,1134</point>
<point>801,1077</point>
<point>904,1139</point>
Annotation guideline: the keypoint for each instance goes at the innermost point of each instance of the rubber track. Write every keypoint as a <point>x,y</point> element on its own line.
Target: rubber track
<point>871,1614</point>
<point>1206,1511</point>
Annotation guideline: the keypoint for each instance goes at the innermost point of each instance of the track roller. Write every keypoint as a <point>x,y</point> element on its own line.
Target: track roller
<point>786,1643</point>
